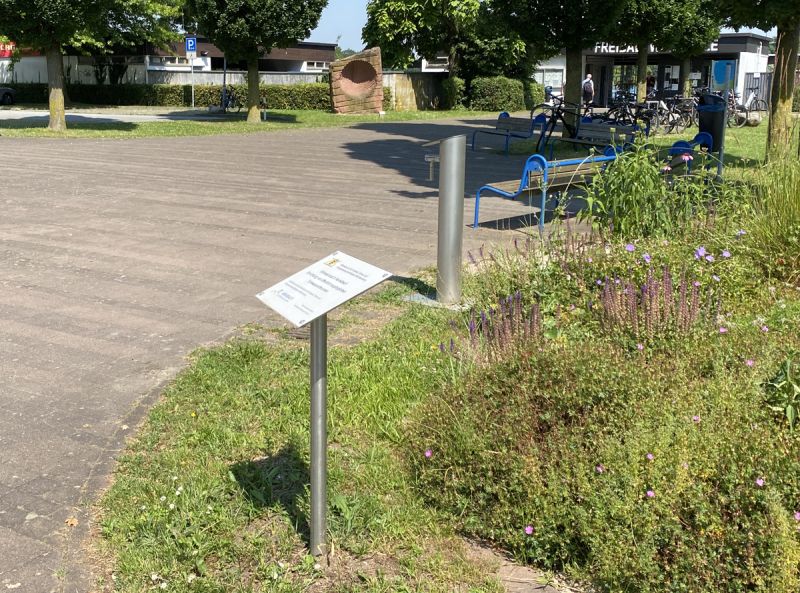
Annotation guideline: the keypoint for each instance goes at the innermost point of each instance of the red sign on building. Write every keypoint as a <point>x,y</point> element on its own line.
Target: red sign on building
<point>6,49</point>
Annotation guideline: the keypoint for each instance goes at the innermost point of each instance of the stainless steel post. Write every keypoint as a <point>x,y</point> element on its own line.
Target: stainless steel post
<point>452,153</point>
<point>728,76</point>
<point>319,434</point>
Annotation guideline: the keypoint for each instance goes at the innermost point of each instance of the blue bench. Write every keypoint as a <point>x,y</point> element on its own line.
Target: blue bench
<point>683,147</point>
<point>542,175</point>
<point>514,127</point>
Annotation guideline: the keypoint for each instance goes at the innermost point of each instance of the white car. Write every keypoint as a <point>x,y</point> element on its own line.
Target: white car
<point>7,95</point>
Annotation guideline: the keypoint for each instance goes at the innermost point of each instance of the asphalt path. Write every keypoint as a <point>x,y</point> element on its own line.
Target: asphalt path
<point>105,116</point>
<point>119,257</point>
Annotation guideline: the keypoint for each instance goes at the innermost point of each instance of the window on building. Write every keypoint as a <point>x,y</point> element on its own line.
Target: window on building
<point>316,66</point>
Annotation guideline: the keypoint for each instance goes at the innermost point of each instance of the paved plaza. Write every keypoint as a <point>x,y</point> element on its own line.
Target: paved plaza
<point>118,258</point>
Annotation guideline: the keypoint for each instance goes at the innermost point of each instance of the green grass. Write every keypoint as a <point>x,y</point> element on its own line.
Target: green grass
<point>228,124</point>
<point>744,147</point>
<point>213,494</point>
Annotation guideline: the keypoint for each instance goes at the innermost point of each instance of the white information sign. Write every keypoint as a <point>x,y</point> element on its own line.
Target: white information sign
<point>321,287</point>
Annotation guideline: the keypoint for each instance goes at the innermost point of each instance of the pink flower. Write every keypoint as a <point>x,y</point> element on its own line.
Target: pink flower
<point>723,330</point>
<point>687,158</point>
<point>696,419</point>
<point>650,457</point>
<point>529,530</point>
<point>650,494</point>
<point>760,482</point>
<point>630,248</point>
<point>749,362</point>
<point>696,284</point>
<point>726,254</point>
<point>646,257</point>
<point>764,328</point>
<point>797,516</point>
<point>666,169</point>
<point>428,453</point>
<point>640,347</point>
<point>709,258</point>
<point>600,468</point>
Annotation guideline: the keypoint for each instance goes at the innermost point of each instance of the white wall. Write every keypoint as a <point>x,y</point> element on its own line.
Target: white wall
<point>749,63</point>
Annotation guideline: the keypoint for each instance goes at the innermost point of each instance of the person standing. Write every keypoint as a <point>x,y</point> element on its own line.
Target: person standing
<point>587,89</point>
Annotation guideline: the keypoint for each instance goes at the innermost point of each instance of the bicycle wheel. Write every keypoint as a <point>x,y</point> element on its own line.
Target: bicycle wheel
<point>761,108</point>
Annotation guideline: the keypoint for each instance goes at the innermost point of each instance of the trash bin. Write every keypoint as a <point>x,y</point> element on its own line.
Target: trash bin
<point>711,112</point>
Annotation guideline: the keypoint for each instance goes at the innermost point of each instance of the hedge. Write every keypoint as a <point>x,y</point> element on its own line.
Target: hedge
<point>497,94</point>
<point>796,101</point>
<point>453,92</point>
<point>314,96</point>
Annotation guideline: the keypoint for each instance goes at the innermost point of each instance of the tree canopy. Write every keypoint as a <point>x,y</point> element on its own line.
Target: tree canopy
<point>247,29</point>
<point>48,25</point>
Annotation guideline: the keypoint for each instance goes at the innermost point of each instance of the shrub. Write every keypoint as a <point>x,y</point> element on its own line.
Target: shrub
<point>796,99</point>
<point>776,227</point>
<point>453,92</point>
<point>496,94</point>
<point>534,93</point>
<point>315,96</point>
<point>634,197</point>
<point>387,98</point>
<point>643,471</point>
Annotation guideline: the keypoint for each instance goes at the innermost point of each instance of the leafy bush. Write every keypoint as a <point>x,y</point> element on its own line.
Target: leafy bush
<point>534,93</point>
<point>640,470</point>
<point>314,96</point>
<point>387,98</point>
<point>634,198</point>
<point>454,92</point>
<point>776,227</point>
<point>496,94</point>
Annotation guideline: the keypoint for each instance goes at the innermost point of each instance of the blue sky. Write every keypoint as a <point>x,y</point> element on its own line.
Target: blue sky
<point>345,18</point>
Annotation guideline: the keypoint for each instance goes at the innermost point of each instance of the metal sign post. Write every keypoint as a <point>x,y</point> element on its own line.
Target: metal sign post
<point>307,297</point>
<point>191,54</point>
<point>728,76</point>
<point>319,434</point>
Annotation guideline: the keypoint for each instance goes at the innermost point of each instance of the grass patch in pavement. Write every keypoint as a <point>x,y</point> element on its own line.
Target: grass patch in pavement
<point>228,124</point>
<point>213,496</point>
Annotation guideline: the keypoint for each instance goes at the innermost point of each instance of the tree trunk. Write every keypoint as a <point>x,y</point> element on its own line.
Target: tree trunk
<point>55,83</point>
<point>253,94</point>
<point>779,134</point>
<point>641,71</point>
<point>686,82</point>
<point>572,86</point>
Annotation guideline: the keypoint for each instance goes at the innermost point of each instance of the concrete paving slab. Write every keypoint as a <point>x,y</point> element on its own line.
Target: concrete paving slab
<point>118,258</point>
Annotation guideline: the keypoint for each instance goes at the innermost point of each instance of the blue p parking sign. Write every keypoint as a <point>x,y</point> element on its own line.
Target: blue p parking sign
<point>191,44</point>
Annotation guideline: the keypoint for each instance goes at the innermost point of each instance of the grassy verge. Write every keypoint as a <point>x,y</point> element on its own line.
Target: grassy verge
<point>744,147</point>
<point>228,124</point>
<point>213,495</point>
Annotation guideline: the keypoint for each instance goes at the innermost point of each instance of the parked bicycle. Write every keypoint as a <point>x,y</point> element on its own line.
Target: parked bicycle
<point>752,106</point>
<point>229,100</point>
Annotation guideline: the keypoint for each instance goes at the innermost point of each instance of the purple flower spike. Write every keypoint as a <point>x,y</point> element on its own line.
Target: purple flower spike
<point>726,254</point>
<point>600,468</point>
<point>646,257</point>
<point>700,252</point>
<point>750,362</point>
<point>529,530</point>
<point>696,419</point>
<point>441,347</point>
<point>723,330</point>
<point>651,494</point>
<point>630,248</point>
<point>760,482</point>
<point>428,453</point>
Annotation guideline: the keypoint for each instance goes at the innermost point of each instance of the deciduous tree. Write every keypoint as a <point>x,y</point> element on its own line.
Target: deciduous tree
<point>785,15</point>
<point>248,29</point>
<point>49,25</point>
